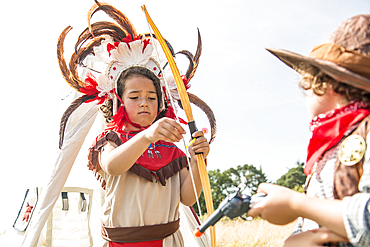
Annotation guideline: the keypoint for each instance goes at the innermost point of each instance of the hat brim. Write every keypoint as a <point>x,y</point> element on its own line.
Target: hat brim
<point>339,73</point>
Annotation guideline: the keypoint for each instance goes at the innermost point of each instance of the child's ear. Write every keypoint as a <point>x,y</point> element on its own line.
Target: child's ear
<point>330,91</point>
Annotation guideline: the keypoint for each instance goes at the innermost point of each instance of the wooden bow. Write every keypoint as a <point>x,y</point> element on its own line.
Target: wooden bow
<point>187,108</point>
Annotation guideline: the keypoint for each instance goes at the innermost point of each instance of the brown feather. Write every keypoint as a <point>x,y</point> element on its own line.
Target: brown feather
<point>63,122</point>
<point>115,14</point>
<point>99,29</point>
<point>89,49</point>
<point>207,110</point>
<point>78,56</point>
<point>62,63</point>
<point>197,55</point>
<point>189,56</point>
<point>193,60</point>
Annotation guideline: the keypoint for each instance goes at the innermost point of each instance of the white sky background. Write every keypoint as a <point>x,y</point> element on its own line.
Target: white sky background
<point>260,112</point>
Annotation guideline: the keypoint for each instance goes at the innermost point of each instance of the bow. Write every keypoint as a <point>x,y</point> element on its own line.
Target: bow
<point>187,108</point>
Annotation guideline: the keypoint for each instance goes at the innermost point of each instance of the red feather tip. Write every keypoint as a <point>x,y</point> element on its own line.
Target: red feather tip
<point>185,81</point>
<point>90,85</point>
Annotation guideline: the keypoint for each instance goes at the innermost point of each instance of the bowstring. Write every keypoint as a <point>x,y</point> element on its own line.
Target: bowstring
<point>176,114</point>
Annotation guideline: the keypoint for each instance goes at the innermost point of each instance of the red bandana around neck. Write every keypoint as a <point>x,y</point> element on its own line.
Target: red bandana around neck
<point>329,128</point>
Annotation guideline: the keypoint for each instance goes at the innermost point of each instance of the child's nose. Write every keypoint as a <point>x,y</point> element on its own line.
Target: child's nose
<point>144,103</point>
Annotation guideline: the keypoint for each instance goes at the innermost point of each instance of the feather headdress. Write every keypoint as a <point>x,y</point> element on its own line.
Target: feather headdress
<point>109,49</point>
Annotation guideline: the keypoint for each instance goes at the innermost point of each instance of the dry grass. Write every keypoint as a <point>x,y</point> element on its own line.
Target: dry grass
<point>256,233</point>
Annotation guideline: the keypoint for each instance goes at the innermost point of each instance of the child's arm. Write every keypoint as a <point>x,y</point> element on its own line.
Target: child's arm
<point>201,145</point>
<point>117,160</point>
<point>283,205</point>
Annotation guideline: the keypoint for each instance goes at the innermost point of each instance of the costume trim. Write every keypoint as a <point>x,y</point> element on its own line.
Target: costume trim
<point>139,233</point>
<point>161,174</point>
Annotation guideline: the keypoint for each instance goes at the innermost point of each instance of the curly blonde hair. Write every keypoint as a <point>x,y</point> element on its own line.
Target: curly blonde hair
<point>319,82</point>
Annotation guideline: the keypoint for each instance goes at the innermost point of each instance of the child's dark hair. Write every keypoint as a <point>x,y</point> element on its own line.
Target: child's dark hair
<point>107,108</point>
<point>319,82</point>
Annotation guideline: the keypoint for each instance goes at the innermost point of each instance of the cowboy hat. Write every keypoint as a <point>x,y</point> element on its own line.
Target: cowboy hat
<point>344,56</point>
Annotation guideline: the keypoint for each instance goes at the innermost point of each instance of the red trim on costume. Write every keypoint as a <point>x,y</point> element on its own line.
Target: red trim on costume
<point>168,152</point>
<point>150,163</point>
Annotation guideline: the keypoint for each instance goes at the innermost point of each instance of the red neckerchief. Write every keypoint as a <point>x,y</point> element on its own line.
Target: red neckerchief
<point>157,155</point>
<point>329,128</point>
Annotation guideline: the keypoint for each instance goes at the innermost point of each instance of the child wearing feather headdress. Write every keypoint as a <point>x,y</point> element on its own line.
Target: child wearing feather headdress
<point>145,175</point>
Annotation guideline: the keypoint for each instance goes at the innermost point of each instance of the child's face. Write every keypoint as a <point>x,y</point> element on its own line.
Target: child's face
<point>140,101</point>
<point>321,104</point>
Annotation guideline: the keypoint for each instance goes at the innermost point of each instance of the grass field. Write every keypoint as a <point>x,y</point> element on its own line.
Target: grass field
<point>257,233</point>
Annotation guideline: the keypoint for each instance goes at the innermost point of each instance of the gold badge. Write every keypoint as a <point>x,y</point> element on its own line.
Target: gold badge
<point>352,150</point>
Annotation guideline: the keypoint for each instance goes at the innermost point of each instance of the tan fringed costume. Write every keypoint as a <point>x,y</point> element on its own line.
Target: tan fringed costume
<point>142,204</point>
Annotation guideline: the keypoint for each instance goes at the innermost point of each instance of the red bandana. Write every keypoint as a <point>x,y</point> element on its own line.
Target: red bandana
<point>329,128</point>
<point>157,155</point>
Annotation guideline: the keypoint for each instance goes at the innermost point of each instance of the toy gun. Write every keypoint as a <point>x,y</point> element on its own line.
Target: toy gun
<point>232,206</point>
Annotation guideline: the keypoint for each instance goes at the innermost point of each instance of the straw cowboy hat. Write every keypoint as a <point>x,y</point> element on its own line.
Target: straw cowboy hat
<point>344,56</point>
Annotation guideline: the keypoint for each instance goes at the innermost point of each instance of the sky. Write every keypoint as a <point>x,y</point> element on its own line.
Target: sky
<point>260,111</point>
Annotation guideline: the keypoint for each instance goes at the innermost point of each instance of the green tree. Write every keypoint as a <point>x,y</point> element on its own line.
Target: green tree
<point>221,186</point>
<point>294,178</point>
<point>243,178</point>
<point>247,177</point>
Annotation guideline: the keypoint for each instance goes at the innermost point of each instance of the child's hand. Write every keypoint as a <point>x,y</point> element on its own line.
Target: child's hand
<point>317,237</point>
<point>200,145</point>
<point>276,207</point>
<point>165,129</point>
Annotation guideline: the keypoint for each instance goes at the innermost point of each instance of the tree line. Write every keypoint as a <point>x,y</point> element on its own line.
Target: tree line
<point>246,179</point>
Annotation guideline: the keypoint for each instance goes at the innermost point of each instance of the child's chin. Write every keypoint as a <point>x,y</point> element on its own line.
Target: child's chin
<point>145,122</point>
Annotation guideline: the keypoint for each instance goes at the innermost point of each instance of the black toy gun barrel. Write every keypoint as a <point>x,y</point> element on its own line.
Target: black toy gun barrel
<point>232,206</point>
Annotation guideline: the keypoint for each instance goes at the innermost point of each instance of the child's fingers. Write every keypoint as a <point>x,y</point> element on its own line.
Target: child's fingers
<point>174,126</point>
<point>197,134</point>
<point>168,134</point>
<point>179,128</point>
<point>171,131</point>
<point>264,188</point>
<point>200,145</point>
<point>167,129</point>
<point>203,150</point>
<point>198,138</point>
